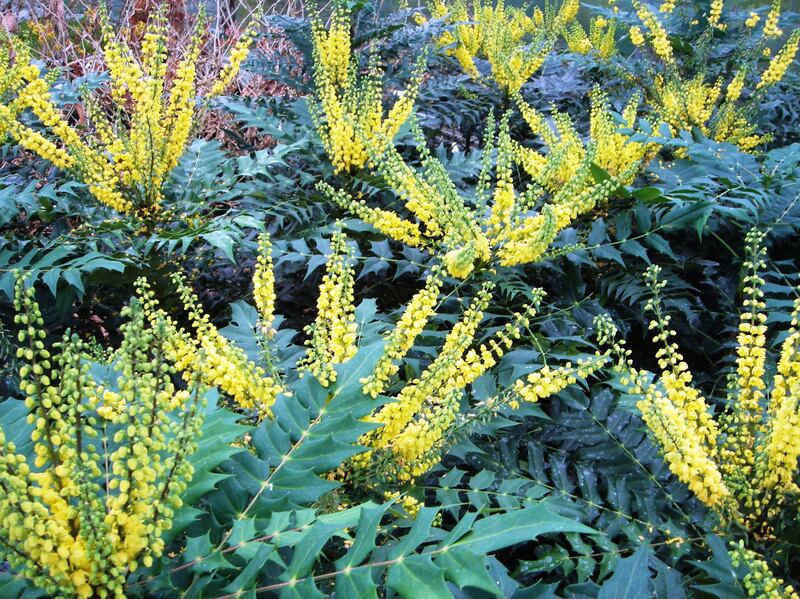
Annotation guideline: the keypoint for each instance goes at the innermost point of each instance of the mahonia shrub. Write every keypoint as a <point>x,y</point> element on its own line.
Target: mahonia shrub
<point>87,501</point>
<point>614,150</point>
<point>685,94</point>
<point>514,43</point>
<point>741,463</point>
<point>124,154</point>
<point>499,226</point>
<point>415,417</point>
<point>347,109</point>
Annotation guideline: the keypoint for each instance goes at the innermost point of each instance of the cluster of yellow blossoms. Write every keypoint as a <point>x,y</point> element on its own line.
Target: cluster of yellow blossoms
<point>504,226</point>
<point>743,463</point>
<point>418,420</point>
<point>124,160</point>
<point>401,338</point>
<point>514,44</point>
<point>348,107</point>
<point>759,580</point>
<point>205,354</point>
<point>600,39</point>
<point>719,109</point>
<point>105,483</point>
<point>613,150</point>
<point>333,334</point>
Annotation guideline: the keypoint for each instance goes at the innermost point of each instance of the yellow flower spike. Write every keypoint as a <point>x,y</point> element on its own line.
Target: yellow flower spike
<point>636,36</point>
<point>781,62</point>
<point>87,515</point>
<point>742,464</point>
<point>332,336</point>
<point>401,338</point>
<point>658,35</point>
<point>264,285</point>
<point>752,20</point>
<point>418,423</point>
<point>347,109</point>
<point>237,56</point>
<point>771,29</point>
<point>715,14</point>
<point>385,221</point>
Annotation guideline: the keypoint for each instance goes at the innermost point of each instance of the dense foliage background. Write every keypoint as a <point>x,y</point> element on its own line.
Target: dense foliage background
<point>567,497</point>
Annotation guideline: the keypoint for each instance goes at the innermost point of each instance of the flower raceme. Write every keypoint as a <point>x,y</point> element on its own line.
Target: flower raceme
<point>514,43</point>
<point>614,152</point>
<point>685,97</point>
<point>503,227</point>
<point>421,417</point>
<point>123,161</point>
<point>742,464</point>
<point>109,466</point>
<point>332,336</point>
<point>348,106</point>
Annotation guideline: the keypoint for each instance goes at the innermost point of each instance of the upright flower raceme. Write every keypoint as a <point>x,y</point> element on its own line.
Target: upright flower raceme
<point>614,151</point>
<point>514,43</point>
<point>109,467</point>
<point>125,155</point>
<point>503,227</point>
<point>742,464</point>
<point>347,108</point>
<point>332,336</point>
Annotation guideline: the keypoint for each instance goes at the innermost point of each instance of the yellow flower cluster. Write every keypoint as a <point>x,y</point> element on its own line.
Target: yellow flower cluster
<point>759,581</point>
<point>206,355</point>
<point>599,40</point>
<point>685,99</point>
<point>613,150</point>
<point>264,286</point>
<point>715,14</point>
<point>771,28</point>
<point>348,107</point>
<point>780,62</point>
<point>92,507</point>
<point>744,463</point>
<point>752,20</point>
<point>124,163</point>
<point>332,336</point>
<point>514,44</point>
<point>511,231</point>
<point>237,56</point>
<point>667,7</point>
<point>658,35</point>
<point>401,338</point>
<point>636,35</point>
<point>685,104</point>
